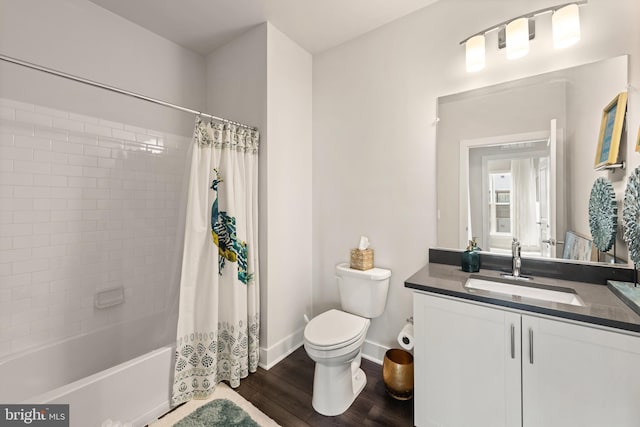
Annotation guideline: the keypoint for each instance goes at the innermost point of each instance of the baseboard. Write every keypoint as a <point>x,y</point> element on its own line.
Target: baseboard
<point>269,357</point>
<point>374,351</point>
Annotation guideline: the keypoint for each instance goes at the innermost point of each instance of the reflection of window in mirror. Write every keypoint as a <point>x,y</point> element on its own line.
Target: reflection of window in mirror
<point>517,204</point>
<point>500,203</point>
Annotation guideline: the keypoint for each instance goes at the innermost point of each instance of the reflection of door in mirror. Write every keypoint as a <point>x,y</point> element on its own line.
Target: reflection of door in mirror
<point>547,248</point>
<point>511,180</point>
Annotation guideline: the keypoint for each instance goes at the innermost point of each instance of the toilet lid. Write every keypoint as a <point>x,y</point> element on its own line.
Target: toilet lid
<point>334,327</point>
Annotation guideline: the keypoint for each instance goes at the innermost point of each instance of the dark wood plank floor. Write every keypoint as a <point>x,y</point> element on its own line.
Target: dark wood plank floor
<point>284,394</point>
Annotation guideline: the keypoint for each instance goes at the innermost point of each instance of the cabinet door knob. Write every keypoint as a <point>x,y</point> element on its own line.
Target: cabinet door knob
<point>531,346</point>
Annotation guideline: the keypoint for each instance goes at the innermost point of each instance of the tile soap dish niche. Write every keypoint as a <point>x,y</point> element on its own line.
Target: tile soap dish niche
<point>108,298</point>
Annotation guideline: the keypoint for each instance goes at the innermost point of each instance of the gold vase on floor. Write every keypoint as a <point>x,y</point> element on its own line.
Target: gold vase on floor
<point>397,373</point>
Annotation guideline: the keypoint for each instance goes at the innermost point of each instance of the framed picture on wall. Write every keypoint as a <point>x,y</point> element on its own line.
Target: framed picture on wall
<point>638,140</point>
<point>611,131</point>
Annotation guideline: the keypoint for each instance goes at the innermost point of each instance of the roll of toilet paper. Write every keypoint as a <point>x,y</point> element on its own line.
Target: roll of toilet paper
<point>405,337</point>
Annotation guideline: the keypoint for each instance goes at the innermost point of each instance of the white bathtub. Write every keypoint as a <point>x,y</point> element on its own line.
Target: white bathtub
<point>83,372</point>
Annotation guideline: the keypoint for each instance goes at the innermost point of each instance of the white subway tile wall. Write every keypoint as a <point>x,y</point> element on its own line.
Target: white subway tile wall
<point>85,205</point>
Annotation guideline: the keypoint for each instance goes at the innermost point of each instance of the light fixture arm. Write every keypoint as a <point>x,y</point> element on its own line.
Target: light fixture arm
<point>527,15</point>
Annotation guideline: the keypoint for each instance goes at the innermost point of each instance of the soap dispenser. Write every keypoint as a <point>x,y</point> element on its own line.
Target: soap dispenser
<point>471,257</point>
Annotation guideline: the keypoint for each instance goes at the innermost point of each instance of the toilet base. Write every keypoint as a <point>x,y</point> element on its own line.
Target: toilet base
<point>336,387</point>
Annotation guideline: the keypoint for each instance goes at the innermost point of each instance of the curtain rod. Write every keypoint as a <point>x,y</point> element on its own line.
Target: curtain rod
<point>117,90</point>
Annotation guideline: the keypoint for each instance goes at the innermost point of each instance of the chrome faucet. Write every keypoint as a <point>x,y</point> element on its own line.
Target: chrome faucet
<point>516,261</point>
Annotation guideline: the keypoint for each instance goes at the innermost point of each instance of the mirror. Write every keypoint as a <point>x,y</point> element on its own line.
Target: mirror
<point>516,160</point>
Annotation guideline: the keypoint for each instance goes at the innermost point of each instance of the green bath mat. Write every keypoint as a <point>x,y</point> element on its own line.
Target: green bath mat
<point>220,412</point>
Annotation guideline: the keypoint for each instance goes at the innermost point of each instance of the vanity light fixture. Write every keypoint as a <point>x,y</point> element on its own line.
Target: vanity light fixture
<point>515,34</point>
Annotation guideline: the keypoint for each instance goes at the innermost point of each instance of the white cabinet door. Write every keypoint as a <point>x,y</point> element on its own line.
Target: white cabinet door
<point>578,376</point>
<point>467,364</point>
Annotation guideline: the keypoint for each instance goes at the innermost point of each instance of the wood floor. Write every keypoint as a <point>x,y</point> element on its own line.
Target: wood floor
<point>284,394</point>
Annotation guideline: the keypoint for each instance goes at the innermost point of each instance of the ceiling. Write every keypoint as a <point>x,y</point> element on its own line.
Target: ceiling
<point>316,25</point>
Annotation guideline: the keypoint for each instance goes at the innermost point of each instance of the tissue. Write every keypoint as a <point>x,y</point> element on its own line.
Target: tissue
<point>364,243</point>
<point>405,337</point>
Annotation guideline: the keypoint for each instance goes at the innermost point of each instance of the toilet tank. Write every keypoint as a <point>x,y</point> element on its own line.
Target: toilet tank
<point>363,293</point>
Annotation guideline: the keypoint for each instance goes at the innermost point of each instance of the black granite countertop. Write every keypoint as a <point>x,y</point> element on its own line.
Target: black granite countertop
<point>601,306</point>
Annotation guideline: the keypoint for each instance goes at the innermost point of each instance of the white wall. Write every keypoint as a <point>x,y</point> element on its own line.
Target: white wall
<point>264,79</point>
<point>289,212</point>
<point>91,180</point>
<point>80,38</point>
<point>584,126</point>
<point>373,135</point>
<point>236,76</point>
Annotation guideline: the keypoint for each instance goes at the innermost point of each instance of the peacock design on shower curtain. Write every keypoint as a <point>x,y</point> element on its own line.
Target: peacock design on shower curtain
<point>223,231</point>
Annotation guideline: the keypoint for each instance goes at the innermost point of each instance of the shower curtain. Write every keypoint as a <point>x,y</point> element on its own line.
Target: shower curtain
<point>218,322</point>
<point>525,227</point>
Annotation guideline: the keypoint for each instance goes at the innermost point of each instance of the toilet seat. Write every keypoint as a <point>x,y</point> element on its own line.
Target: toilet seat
<point>334,329</point>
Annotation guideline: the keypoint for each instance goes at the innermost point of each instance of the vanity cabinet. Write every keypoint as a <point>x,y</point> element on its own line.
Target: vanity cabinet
<point>483,366</point>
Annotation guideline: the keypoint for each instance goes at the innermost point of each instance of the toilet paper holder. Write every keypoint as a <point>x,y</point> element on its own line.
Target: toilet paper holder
<point>405,337</point>
<point>406,340</point>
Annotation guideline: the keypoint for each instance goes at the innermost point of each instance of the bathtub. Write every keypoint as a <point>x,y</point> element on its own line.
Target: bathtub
<point>85,373</point>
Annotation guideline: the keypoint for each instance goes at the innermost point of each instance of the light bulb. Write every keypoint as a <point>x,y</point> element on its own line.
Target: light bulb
<point>475,49</point>
<point>566,26</point>
<point>517,32</point>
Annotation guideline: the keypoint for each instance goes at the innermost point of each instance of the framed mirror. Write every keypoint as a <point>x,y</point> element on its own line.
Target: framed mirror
<point>516,160</point>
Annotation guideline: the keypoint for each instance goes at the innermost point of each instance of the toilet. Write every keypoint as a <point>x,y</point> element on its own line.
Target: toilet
<point>334,339</point>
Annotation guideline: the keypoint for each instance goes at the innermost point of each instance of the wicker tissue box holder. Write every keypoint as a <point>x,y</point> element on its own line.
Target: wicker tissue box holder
<point>362,259</point>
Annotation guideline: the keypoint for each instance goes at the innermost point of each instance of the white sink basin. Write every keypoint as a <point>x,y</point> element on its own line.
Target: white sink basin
<point>525,291</point>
